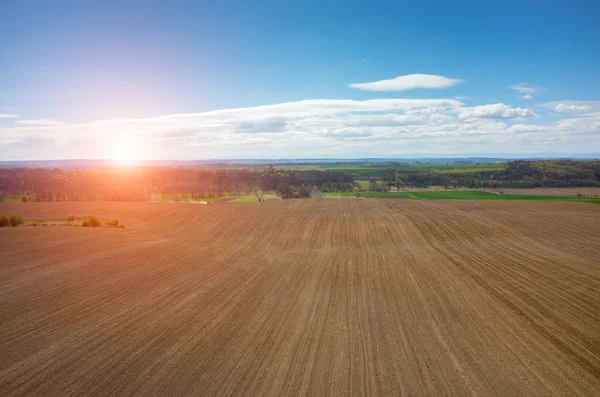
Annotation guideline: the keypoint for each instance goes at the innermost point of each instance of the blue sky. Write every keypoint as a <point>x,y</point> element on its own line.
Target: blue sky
<point>105,79</point>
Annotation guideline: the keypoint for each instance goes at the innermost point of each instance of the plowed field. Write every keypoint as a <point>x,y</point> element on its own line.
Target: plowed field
<point>333,297</point>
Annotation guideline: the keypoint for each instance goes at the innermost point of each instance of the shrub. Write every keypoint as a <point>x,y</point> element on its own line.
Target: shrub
<point>15,220</point>
<point>71,218</point>
<point>91,221</point>
<point>121,226</point>
<point>4,222</point>
<point>24,198</point>
<point>303,192</point>
<point>113,223</point>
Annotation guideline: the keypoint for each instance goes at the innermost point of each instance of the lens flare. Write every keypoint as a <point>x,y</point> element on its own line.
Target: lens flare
<point>126,153</point>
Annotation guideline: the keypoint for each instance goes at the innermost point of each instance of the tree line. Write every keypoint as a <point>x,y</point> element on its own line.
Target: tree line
<point>140,184</point>
<point>38,184</point>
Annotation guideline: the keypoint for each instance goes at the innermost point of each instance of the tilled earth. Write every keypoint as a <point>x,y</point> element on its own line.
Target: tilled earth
<point>308,297</point>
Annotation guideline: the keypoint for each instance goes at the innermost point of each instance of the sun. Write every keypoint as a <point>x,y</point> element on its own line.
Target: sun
<point>126,154</point>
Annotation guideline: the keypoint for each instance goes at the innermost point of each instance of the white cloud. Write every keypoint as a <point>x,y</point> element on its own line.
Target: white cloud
<point>526,91</point>
<point>498,110</point>
<point>579,125</point>
<point>408,82</point>
<point>345,134</point>
<point>7,116</point>
<point>563,107</point>
<point>271,124</point>
<point>311,107</point>
<point>312,128</point>
<point>525,128</point>
<point>570,106</point>
<point>41,122</point>
<point>26,142</point>
<point>385,120</point>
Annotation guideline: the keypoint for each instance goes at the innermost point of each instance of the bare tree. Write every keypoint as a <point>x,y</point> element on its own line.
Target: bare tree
<point>284,191</point>
<point>259,195</point>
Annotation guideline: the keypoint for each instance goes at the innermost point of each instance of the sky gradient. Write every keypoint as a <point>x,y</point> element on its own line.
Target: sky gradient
<point>196,80</point>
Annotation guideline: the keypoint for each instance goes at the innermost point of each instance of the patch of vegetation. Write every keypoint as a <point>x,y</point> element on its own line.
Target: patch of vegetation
<point>362,184</point>
<point>400,195</point>
<point>4,221</point>
<point>113,223</point>
<point>457,195</point>
<point>253,199</point>
<point>209,199</point>
<point>15,220</point>
<point>463,167</point>
<point>91,221</point>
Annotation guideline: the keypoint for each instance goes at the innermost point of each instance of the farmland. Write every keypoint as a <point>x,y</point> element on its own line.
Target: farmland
<point>368,169</point>
<point>313,297</point>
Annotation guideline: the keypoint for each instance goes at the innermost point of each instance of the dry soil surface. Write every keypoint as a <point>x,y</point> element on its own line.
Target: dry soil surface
<point>303,297</point>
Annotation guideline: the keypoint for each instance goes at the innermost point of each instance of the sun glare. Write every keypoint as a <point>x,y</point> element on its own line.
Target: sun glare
<point>126,154</point>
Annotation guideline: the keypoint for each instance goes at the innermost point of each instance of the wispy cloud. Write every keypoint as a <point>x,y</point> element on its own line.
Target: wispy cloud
<point>408,82</point>
<point>525,128</point>
<point>271,124</point>
<point>497,111</point>
<point>302,109</point>
<point>7,116</point>
<point>41,122</point>
<point>26,142</point>
<point>526,91</point>
<point>565,108</point>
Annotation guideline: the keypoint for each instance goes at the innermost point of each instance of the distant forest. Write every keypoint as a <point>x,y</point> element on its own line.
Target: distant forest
<point>145,183</point>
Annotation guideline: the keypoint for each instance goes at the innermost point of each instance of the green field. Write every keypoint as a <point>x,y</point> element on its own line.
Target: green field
<point>363,171</point>
<point>459,195</point>
<point>452,167</point>
<point>367,170</point>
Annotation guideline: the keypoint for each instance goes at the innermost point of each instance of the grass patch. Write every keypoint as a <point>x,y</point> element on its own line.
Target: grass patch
<point>363,171</point>
<point>252,198</point>
<point>209,199</point>
<point>364,185</point>
<point>457,195</point>
<point>467,170</point>
<point>404,195</point>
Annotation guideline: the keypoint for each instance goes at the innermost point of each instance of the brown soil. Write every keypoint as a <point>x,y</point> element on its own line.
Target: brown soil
<point>303,297</point>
